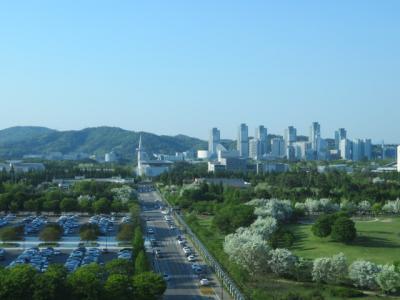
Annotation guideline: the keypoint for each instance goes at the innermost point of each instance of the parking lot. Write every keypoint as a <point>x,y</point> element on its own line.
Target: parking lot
<point>70,250</point>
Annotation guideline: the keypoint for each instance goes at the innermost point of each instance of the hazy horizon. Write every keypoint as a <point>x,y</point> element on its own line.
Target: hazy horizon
<point>181,68</point>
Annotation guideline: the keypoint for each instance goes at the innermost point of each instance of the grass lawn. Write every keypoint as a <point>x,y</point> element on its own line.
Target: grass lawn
<point>268,287</point>
<point>378,241</point>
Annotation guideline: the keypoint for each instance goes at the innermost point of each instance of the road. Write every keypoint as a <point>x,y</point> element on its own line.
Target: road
<point>183,283</point>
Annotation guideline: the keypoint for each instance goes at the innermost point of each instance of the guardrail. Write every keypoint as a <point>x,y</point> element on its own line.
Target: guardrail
<point>210,260</point>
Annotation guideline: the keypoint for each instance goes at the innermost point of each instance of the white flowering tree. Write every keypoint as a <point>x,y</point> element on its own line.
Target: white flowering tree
<point>348,205</point>
<point>328,206</point>
<point>320,271</point>
<point>392,207</point>
<point>247,249</point>
<point>281,210</point>
<point>264,227</point>
<point>300,206</point>
<point>331,270</point>
<point>282,262</point>
<point>339,269</point>
<point>388,279</point>
<point>123,194</point>
<point>312,205</point>
<point>364,207</point>
<point>364,274</point>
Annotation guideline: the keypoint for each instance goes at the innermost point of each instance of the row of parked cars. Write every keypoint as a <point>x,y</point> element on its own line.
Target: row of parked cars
<point>33,224</point>
<point>4,221</point>
<point>81,257</point>
<point>39,259</point>
<point>106,224</point>
<point>70,224</point>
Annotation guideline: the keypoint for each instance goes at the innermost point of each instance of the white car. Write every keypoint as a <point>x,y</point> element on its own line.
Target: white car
<point>166,277</point>
<point>204,282</point>
<point>191,258</point>
<point>181,242</point>
<point>187,250</point>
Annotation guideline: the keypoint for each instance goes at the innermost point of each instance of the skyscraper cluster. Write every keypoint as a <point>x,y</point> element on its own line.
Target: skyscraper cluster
<point>290,145</point>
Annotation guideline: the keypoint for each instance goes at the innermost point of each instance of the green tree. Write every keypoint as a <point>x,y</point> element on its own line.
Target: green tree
<point>118,287</point>
<point>148,286</point>
<point>141,263</point>
<point>120,267</point>
<point>89,232</point>
<point>125,232</point>
<point>86,283</point>
<point>323,226</point>
<point>52,232</point>
<point>51,285</point>
<point>101,206</point>
<point>18,283</point>
<point>138,241</point>
<point>12,233</point>
<point>231,217</point>
<point>69,205</point>
<point>344,230</point>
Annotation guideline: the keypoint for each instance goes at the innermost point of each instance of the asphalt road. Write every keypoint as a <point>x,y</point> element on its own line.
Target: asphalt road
<point>183,283</point>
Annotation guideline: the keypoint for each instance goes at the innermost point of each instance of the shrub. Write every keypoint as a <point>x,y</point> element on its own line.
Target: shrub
<point>343,292</point>
<point>344,230</point>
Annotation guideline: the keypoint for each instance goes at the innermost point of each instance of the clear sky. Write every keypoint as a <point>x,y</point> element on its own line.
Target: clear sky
<point>172,67</point>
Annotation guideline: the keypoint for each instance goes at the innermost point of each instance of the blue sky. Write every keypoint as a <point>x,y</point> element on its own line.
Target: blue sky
<point>184,66</point>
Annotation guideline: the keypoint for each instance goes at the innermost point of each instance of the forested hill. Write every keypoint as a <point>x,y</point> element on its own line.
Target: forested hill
<point>18,141</point>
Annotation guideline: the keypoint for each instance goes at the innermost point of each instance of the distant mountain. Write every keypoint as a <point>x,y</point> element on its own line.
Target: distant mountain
<point>15,142</point>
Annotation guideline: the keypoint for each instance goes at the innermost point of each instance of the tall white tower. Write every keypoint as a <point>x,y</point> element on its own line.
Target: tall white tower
<point>141,156</point>
<point>398,158</point>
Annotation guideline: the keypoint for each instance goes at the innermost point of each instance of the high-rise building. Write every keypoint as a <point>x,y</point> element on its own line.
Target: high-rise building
<point>357,151</point>
<point>262,136</point>
<point>368,149</point>
<point>398,158</point>
<point>345,149</point>
<point>277,147</point>
<point>214,140</point>
<point>340,134</point>
<point>243,141</point>
<point>290,136</point>
<point>315,136</point>
<point>255,149</point>
<point>291,153</point>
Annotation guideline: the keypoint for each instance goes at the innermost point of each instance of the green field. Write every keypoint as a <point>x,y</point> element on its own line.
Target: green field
<point>378,241</point>
<point>265,287</point>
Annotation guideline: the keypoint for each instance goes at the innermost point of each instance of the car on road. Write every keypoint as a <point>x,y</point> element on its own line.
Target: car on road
<point>187,250</point>
<point>2,254</point>
<point>191,258</point>
<point>166,277</point>
<point>150,231</point>
<point>204,282</point>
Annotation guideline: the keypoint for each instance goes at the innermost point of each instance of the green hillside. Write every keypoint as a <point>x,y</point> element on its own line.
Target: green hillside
<point>18,141</point>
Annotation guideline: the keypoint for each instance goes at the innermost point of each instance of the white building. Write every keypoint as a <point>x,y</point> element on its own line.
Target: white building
<point>243,141</point>
<point>340,134</point>
<point>20,167</point>
<point>398,158</point>
<point>255,149</point>
<point>202,154</point>
<point>147,167</point>
<point>110,157</point>
<point>345,149</point>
